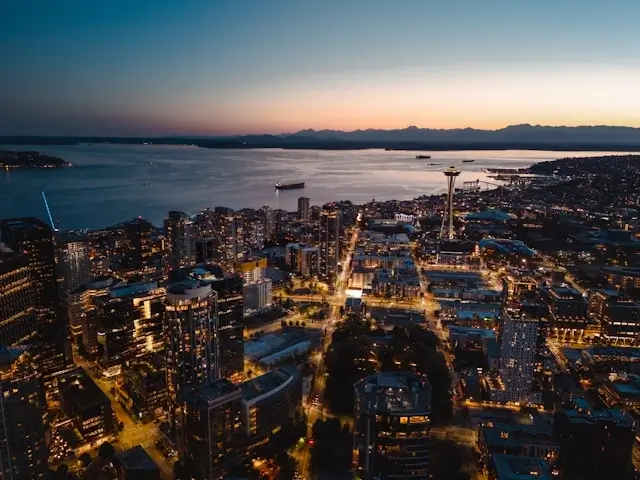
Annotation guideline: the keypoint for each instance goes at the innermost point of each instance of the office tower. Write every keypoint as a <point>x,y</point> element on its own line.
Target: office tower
<point>329,244</point>
<point>392,419</point>
<point>35,239</point>
<point>206,250</point>
<point>210,435</point>
<point>190,326</point>
<point>309,262</point>
<point>595,445</point>
<point>17,315</point>
<point>74,264</point>
<point>451,174</point>
<point>137,245</point>
<point>303,209</point>
<point>23,450</point>
<point>180,233</point>
<point>517,357</point>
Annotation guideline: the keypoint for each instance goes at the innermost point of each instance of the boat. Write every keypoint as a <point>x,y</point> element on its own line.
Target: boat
<point>422,157</point>
<point>289,186</point>
<point>435,164</point>
<point>468,161</point>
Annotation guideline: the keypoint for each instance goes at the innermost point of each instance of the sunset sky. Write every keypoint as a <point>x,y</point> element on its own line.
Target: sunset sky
<point>217,67</point>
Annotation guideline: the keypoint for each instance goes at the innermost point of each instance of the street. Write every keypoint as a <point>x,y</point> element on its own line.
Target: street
<point>303,456</point>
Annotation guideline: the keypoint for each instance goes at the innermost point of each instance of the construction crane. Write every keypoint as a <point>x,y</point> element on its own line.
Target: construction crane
<point>46,204</point>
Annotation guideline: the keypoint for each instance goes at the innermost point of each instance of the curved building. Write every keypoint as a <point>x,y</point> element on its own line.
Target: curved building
<point>190,331</point>
<point>268,401</point>
<point>392,420</point>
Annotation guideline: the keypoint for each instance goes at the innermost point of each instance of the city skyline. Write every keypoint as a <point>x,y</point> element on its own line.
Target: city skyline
<point>230,68</point>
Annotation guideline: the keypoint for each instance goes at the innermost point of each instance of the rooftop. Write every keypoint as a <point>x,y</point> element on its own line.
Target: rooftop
<point>136,459</point>
<point>264,383</point>
<point>211,391</point>
<point>395,392</point>
<point>516,467</point>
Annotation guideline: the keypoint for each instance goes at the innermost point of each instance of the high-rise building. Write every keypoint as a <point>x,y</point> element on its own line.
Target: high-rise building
<point>23,450</point>
<point>74,264</point>
<point>210,434</point>
<point>228,291</point>
<point>190,329</point>
<point>180,233</point>
<point>257,290</point>
<point>35,239</point>
<point>17,315</point>
<point>329,244</point>
<point>309,262</point>
<point>517,360</point>
<point>137,244</point>
<point>269,222</point>
<point>392,420</point>
<point>303,209</point>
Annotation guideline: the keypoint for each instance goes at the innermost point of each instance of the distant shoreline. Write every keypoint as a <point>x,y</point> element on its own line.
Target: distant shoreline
<point>30,160</point>
<point>317,144</point>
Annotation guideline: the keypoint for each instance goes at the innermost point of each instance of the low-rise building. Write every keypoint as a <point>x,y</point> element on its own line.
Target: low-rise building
<point>136,464</point>
<point>87,406</point>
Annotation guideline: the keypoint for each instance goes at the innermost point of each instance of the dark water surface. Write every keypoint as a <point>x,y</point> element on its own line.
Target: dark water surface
<point>112,183</point>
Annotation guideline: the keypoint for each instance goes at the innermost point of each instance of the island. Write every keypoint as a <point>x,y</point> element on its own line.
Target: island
<point>29,159</point>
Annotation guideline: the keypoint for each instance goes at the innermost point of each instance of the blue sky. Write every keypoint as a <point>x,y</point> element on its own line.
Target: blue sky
<point>218,67</point>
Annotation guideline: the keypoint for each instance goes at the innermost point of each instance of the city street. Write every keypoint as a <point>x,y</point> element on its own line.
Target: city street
<point>133,433</point>
<point>303,456</point>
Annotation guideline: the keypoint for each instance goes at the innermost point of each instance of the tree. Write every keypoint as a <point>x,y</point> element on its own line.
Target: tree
<point>303,324</point>
<point>106,452</point>
<point>297,323</point>
<point>85,459</point>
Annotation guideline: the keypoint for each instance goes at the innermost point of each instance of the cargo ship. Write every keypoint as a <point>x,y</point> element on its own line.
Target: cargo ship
<point>289,186</point>
<point>422,157</point>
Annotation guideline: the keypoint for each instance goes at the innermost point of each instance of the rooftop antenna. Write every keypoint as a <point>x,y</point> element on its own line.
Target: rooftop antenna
<point>46,204</point>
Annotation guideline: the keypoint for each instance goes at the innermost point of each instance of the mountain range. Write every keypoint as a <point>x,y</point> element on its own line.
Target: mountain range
<point>524,133</point>
<point>530,137</point>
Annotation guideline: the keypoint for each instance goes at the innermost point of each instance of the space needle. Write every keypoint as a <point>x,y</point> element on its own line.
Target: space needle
<point>451,173</point>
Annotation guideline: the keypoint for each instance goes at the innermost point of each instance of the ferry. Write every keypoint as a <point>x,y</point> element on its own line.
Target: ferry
<point>468,161</point>
<point>289,186</point>
<point>422,157</point>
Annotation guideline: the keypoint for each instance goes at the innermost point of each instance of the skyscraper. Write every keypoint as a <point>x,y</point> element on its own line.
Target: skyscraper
<point>35,239</point>
<point>517,359</point>
<point>210,429</point>
<point>303,209</point>
<point>23,451</point>
<point>137,247</point>
<point>74,264</point>
<point>17,315</point>
<point>228,293</point>
<point>329,244</point>
<point>180,233</point>
<point>392,420</point>
<point>190,328</point>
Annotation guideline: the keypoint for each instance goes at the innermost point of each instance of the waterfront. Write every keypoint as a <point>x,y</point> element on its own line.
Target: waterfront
<point>111,183</point>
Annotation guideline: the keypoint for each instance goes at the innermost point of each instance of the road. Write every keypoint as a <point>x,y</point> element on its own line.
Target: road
<point>314,413</point>
<point>133,433</point>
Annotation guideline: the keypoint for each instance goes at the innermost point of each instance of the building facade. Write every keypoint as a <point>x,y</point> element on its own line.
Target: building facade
<point>211,436</point>
<point>23,449</point>
<point>17,314</point>
<point>329,244</point>
<point>392,420</point>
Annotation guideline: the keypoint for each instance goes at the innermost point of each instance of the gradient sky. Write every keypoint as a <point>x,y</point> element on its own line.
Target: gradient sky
<point>211,67</point>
